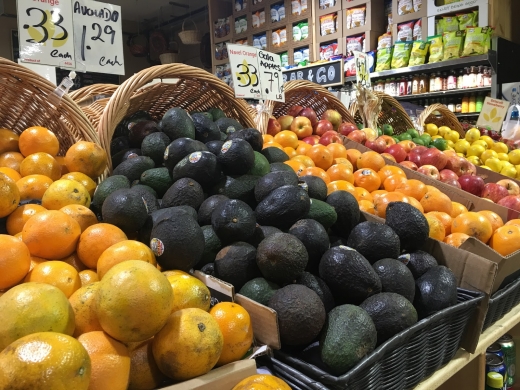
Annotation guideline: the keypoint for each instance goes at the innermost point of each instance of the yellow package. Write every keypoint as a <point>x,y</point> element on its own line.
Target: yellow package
<point>419,52</point>
<point>358,17</point>
<point>349,18</point>
<point>436,48</point>
<point>475,43</point>
<point>401,54</point>
<point>328,24</point>
<point>452,44</point>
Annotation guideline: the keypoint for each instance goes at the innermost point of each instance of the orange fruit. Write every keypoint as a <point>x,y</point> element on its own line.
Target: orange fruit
<point>33,186</point>
<point>302,148</point>
<point>144,373</point>
<point>11,160</point>
<point>272,145</point>
<point>123,251</point>
<point>83,302</point>
<point>456,239</point>
<point>8,141</point>
<point>321,156</point>
<point>474,225</point>
<point>95,240</point>
<point>17,219</point>
<point>296,165</point>
<point>389,170</point>
<point>87,182</point>
<point>412,188</point>
<point>75,262</point>
<point>494,218</point>
<point>58,274</point>
<point>62,193</point>
<point>237,330</point>
<point>287,138</point>
<point>188,292</point>
<point>381,202</point>
<point>367,178</point>
<point>291,152</point>
<point>35,261</point>
<point>415,203</point>
<point>305,160</point>
<point>437,231</point>
<point>110,361</point>
<point>38,139</point>
<point>318,172</point>
<point>267,138</point>
<point>262,381</point>
<point>83,215</point>
<point>515,222</point>
<point>15,261</point>
<point>457,209</point>
<point>506,240</point>
<point>86,157</point>
<point>51,234</point>
<point>343,161</point>
<point>338,150</point>
<point>10,173</point>
<point>87,277</point>
<point>392,182</point>
<point>352,156</point>
<point>340,172</point>
<point>372,160</point>
<point>432,189</point>
<point>9,195</point>
<point>340,185</point>
<point>362,194</point>
<point>436,201</point>
<point>377,193</point>
<point>444,218</point>
<point>367,206</point>
<point>40,164</point>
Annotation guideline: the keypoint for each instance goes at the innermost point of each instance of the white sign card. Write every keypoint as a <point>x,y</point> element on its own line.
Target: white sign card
<point>362,73</point>
<point>98,37</point>
<point>46,32</point>
<point>493,114</point>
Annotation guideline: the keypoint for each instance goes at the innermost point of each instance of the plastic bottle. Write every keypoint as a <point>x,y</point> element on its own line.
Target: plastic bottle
<point>465,104</point>
<point>432,82</point>
<point>472,105</point>
<point>479,103</point>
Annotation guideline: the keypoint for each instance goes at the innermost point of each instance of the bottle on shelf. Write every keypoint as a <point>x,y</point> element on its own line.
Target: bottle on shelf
<point>458,107</point>
<point>444,78</point>
<point>432,82</point>
<point>409,85</point>
<point>460,79</point>
<point>479,103</point>
<point>452,80</point>
<point>451,105</point>
<point>472,103</point>
<point>423,83</point>
<point>480,76</point>
<point>415,85</point>
<point>465,105</point>
<point>487,77</point>
<point>465,80</point>
<point>403,86</point>
<point>473,77</point>
<point>438,82</point>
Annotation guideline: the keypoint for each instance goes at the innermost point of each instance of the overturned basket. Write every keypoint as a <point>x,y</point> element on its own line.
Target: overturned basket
<point>190,88</point>
<point>439,115</point>
<point>93,99</point>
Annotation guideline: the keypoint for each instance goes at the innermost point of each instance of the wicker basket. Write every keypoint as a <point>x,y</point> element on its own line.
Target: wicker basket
<point>441,116</point>
<point>189,37</point>
<point>93,100</point>
<point>392,113</point>
<point>25,102</point>
<point>305,94</point>
<point>192,89</point>
<point>502,302</point>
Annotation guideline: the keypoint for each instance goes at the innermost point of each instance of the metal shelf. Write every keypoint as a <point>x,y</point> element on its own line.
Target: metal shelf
<point>466,115</point>
<point>452,92</point>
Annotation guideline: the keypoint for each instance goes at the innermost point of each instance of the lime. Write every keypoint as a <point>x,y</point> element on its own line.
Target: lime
<point>379,132</point>
<point>427,138</point>
<point>360,126</point>
<point>414,133</point>
<point>418,141</point>
<point>440,144</point>
<point>388,130</point>
<point>405,137</point>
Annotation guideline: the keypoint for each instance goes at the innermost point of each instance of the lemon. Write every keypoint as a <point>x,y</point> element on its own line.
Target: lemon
<point>450,144</point>
<point>494,164</point>
<point>488,154</point>
<point>475,150</point>
<point>461,146</point>
<point>503,156</point>
<point>432,129</point>
<point>509,171</point>
<point>474,160</point>
<point>436,137</point>
<point>517,171</point>
<point>514,156</point>
<point>443,130</point>
<point>452,136</point>
<point>482,143</point>
<point>461,155</point>
<point>488,140</point>
<point>472,135</point>
<point>500,147</point>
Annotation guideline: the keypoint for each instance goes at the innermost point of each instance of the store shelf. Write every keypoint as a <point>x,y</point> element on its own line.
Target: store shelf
<point>453,92</point>
<point>467,115</point>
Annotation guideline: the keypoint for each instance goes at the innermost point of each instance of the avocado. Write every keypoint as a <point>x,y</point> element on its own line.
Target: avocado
<point>319,287</point>
<point>212,246</point>
<point>277,167</point>
<point>214,146</point>
<point>391,313</point>
<point>272,181</point>
<point>202,167</point>
<point>323,213</point>
<point>207,207</point>
<point>228,125</point>
<point>261,232</point>
<point>107,186</point>
<point>395,278</point>
<point>419,262</point>
<point>238,187</point>
<point>176,123</point>
<point>150,201</point>
<point>275,155</point>
<point>184,192</point>
<point>165,213</point>
<point>409,223</point>
<point>261,166</point>
<point>233,220</point>
<point>315,187</point>
<point>204,114</point>
<point>223,136</point>
<point>282,258</point>
<point>375,241</point>
<point>236,157</point>
<point>178,243</point>
<point>133,168</point>
<point>315,239</point>
<point>300,313</point>
<point>157,178</point>
<point>337,241</point>
<point>205,129</point>
<point>283,207</point>
<point>236,264</point>
<point>209,269</point>
<point>145,187</point>
<point>179,149</point>
<point>434,291</point>
<point>118,144</point>
<point>349,275</point>
<point>139,131</point>
<point>154,146</point>
<point>347,209</point>
<point>124,155</point>
<point>252,136</point>
<point>351,328</point>
<point>259,290</point>
<point>216,113</point>
<point>125,209</point>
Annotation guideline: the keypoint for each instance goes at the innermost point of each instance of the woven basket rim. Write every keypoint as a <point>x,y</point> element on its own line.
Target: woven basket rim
<point>447,116</point>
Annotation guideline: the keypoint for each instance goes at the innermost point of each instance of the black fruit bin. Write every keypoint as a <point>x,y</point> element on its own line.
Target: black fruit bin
<point>502,302</point>
<point>398,364</point>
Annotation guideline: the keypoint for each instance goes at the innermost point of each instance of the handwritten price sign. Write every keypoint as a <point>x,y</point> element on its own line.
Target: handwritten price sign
<point>46,32</point>
<point>362,75</point>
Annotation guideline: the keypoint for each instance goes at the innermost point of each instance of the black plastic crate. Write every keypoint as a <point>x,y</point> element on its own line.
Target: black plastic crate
<point>502,302</point>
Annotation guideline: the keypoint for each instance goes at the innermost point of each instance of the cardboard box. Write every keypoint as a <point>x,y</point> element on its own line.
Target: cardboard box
<point>397,19</point>
<point>374,18</point>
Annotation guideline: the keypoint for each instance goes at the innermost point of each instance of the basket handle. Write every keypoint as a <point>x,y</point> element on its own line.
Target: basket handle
<point>427,112</point>
<point>191,20</point>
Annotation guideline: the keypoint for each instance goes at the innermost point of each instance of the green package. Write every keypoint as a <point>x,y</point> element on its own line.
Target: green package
<point>477,41</point>
<point>451,23</point>
<point>401,54</point>
<point>453,42</point>
<point>419,52</point>
<point>384,59</point>
<point>304,28</point>
<point>436,48</point>
<point>439,26</point>
<point>468,20</point>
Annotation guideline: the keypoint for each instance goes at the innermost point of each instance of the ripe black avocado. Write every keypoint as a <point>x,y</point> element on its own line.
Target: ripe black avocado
<point>236,157</point>
<point>275,155</point>
<point>277,167</point>
<point>347,209</point>
<point>176,123</point>
<point>375,241</point>
<point>179,149</point>
<point>118,144</point>
<point>259,290</point>
<point>184,191</point>
<point>212,246</point>
<point>283,207</point>
<point>435,290</point>
<point>233,220</point>
<point>150,200</point>
<point>237,187</point>
<point>272,181</point>
<point>133,168</point>
<point>395,277</point>
<point>124,155</point>
<point>315,186</point>
<point>409,223</point>
<point>228,125</point>
<point>125,209</point>
<point>315,239</point>
<point>252,136</point>
<point>214,146</point>
<point>202,167</point>
<point>207,207</point>
<point>154,146</point>
<point>319,287</point>
<point>205,129</point>
<point>419,262</point>
<point>236,264</point>
<point>140,130</point>
<point>159,215</point>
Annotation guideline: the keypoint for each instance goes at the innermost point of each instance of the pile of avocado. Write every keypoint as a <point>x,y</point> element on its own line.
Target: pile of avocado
<point>200,190</point>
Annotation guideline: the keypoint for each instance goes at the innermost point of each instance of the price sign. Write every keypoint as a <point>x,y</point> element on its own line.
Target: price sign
<point>362,74</point>
<point>98,37</point>
<point>271,78</point>
<point>493,113</point>
<point>46,32</point>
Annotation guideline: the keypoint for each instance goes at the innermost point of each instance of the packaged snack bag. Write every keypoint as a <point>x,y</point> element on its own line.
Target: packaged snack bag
<point>384,40</point>
<point>401,54</point>
<point>371,61</point>
<point>358,17</point>
<point>304,28</point>
<point>419,52</point>
<point>468,20</point>
<point>296,33</point>
<point>349,19</point>
<point>283,35</point>
<point>384,59</point>
<point>296,7</point>
<point>276,38</point>
<point>326,4</point>
<point>405,31</point>
<point>275,16</point>
<point>417,4</point>
<point>355,43</point>
<point>453,42</point>
<point>350,66</point>
<point>436,49</point>
<point>328,24</point>
<point>417,30</point>
<point>404,7</point>
<point>475,42</point>
<point>451,23</point>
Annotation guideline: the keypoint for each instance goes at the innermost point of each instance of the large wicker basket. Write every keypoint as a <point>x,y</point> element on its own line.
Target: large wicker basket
<point>392,113</point>
<point>93,99</point>
<point>439,115</point>
<point>190,88</point>
<point>24,97</point>
<point>305,94</point>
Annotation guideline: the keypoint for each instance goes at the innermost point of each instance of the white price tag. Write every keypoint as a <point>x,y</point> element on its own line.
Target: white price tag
<point>362,74</point>
<point>271,77</point>
<point>46,32</point>
<point>98,37</point>
<point>493,113</point>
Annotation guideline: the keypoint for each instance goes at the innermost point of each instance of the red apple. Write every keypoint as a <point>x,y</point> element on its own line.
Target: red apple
<point>510,185</point>
<point>285,122</point>
<point>312,140</point>
<point>273,127</point>
<point>322,127</point>
<point>452,182</point>
<point>346,128</point>
<point>415,154</point>
<point>302,127</point>
<point>410,165</point>
<point>294,110</point>
<point>397,151</point>
<point>471,169</point>
<point>446,174</point>
<point>309,113</point>
<point>378,145</point>
<point>494,191</point>
<point>429,170</point>
<point>435,157</point>
<point>330,137</point>
<point>357,136</point>
<point>457,164</point>
<point>511,202</point>
<point>407,145</point>
<point>333,117</point>
<point>472,184</point>
<point>388,140</point>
